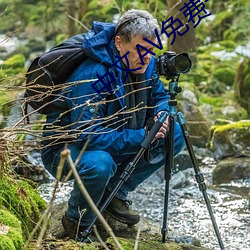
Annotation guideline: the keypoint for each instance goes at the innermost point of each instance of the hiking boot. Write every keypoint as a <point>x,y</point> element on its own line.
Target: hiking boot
<point>75,231</point>
<point>121,211</point>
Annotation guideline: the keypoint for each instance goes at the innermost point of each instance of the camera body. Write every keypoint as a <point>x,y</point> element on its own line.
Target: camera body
<point>171,65</point>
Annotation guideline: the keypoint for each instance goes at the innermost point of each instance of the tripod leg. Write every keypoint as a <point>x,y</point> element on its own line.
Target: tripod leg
<point>199,177</point>
<point>168,173</point>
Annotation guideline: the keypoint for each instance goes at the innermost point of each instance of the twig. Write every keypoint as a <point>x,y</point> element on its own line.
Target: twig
<point>137,236</point>
<point>77,21</point>
<point>66,154</point>
<point>99,238</point>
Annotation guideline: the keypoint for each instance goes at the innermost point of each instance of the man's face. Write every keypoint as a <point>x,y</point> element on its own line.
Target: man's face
<point>133,56</point>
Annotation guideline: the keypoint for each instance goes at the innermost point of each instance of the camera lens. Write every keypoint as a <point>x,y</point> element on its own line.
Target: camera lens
<point>182,63</point>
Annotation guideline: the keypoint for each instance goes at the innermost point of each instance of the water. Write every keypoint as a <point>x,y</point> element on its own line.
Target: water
<point>188,215</point>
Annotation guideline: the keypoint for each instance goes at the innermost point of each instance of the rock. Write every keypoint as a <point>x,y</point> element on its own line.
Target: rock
<point>149,238</point>
<point>188,95</point>
<point>231,169</point>
<point>181,179</point>
<point>197,125</point>
<point>229,140</point>
<point>227,110</point>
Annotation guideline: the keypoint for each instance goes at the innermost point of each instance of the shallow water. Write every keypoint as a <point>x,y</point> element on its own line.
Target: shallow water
<point>187,212</point>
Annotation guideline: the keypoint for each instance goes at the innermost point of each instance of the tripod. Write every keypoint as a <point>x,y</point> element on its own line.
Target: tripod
<point>173,90</point>
<point>169,163</point>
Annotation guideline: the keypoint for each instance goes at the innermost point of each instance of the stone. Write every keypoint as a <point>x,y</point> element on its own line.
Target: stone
<point>231,169</point>
<point>230,140</point>
<point>197,125</point>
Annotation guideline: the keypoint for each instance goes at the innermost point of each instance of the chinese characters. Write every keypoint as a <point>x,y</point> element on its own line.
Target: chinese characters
<point>193,10</point>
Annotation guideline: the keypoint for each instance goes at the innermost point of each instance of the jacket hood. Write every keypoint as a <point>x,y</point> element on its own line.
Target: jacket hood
<point>99,43</point>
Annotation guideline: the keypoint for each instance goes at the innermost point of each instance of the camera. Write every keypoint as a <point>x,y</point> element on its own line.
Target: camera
<point>171,65</point>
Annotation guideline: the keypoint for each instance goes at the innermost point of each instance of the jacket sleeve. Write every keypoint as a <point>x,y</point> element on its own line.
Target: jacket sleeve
<point>88,116</point>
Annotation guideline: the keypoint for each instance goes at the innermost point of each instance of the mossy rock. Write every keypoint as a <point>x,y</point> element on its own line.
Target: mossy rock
<point>219,107</point>
<point>231,169</point>
<point>22,200</point>
<point>232,139</point>
<point>10,231</point>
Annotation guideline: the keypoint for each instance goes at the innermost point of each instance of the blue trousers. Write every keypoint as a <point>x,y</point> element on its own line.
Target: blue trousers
<point>100,170</point>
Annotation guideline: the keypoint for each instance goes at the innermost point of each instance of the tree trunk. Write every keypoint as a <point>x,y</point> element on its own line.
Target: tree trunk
<point>83,7</point>
<point>187,42</point>
<point>72,14</point>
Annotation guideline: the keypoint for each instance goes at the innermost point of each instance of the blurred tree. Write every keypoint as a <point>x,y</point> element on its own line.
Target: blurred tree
<point>187,42</point>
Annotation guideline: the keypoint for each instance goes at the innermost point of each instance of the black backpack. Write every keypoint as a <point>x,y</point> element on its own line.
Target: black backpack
<point>48,73</point>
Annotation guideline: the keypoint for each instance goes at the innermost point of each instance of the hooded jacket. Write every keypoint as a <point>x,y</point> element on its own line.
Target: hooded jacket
<point>99,119</point>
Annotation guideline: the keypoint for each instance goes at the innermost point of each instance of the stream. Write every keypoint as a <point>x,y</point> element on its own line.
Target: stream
<point>187,212</point>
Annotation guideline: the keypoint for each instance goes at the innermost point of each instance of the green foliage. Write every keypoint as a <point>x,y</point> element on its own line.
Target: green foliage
<point>230,22</point>
<point>224,75</point>
<point>16,61</point>
<point>13,66</point>
<point>214,101</point>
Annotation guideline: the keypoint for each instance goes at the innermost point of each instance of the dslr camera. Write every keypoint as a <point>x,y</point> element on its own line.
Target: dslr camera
<point>171,65</point>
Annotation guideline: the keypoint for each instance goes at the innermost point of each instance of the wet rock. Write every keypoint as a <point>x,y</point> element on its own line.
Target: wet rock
<point>231,169</point>
<point>231,139</point>
<point>181,179</point>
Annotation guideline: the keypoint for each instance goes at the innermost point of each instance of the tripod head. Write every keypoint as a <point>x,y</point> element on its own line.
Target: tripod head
<point>174,89</point>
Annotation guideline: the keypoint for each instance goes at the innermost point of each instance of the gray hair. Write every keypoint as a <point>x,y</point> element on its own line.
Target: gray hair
<point>136,22</point>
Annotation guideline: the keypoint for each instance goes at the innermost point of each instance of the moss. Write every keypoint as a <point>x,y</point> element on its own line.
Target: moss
<point>16,237</point>
<point>229,45</point>
<point>221,133</point>
<point>128,244</point>
<point>214,101</point>
<point>236,125</point>
<point>13,239</point>
<point>22,200</point>
<point>6,243</point>
<point>9,219</point>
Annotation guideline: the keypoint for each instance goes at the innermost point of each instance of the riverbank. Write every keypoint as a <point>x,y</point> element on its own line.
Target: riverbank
<point>188,215</point>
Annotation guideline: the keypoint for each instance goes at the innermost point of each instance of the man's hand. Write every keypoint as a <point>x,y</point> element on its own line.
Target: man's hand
<point>164,128</point>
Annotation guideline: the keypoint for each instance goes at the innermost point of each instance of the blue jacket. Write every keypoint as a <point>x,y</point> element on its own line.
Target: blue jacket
<point>99,117</point>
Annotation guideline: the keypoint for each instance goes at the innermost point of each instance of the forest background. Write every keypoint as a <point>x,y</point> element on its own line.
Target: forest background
<point>218,45</point>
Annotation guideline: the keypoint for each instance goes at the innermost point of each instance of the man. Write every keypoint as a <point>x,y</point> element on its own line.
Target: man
<point>109,119</point>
